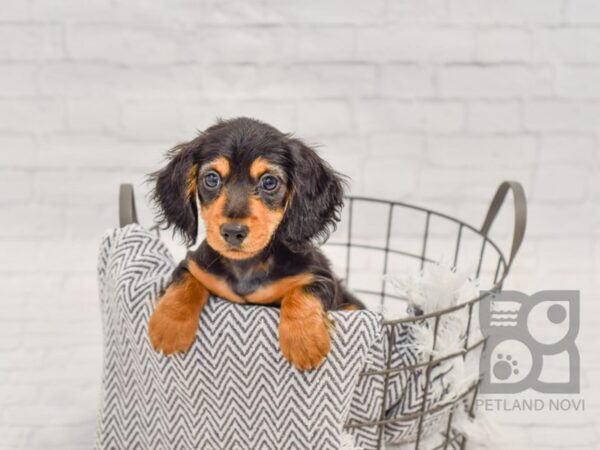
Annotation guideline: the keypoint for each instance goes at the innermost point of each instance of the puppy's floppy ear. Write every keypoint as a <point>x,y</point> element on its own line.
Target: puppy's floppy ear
<point>175,190</point>
<point>317,197</point>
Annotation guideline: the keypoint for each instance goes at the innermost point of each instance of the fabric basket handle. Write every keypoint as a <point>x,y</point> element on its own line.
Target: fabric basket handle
<point>127,211</point>
<point>520,204</point>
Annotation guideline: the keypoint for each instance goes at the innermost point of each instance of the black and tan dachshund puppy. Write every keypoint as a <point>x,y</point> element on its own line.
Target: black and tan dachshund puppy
<point>265,198</point>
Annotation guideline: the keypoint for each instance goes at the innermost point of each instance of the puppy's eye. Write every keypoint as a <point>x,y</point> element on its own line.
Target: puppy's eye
<point>212,180</point>
<point>269,183</point>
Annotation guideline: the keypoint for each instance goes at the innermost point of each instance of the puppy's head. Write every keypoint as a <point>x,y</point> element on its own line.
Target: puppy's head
<point>254,184</point>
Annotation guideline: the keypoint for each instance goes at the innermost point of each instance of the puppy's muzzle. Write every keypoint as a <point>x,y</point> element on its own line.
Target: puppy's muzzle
<point>234,233</point>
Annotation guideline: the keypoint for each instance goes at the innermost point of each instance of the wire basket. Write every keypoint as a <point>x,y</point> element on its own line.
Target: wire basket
<point>396,237</point>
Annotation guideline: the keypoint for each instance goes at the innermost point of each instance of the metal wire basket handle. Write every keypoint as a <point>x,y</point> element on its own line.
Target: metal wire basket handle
<point>127,211</point>
<point>520,204</point>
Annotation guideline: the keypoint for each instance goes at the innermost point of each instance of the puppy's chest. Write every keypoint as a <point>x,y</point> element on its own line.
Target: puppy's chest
<point>246,285</point>
<point>246,280</point>
<point>252,286</point>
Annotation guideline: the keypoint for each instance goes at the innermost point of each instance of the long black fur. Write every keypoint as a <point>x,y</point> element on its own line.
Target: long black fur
<point>176,208</point>
<point>317,199</point>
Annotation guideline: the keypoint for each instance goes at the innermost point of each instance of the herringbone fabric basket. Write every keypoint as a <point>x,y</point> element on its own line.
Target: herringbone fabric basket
<point>232,389</point>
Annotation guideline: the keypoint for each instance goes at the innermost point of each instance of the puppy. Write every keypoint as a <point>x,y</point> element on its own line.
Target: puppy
<point>265,199</point>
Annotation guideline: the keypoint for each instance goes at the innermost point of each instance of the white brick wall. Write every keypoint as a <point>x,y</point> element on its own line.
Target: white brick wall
<point>428,101</point>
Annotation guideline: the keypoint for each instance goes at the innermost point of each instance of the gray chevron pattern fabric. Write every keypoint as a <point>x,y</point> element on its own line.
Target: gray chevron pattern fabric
<point>405,393</point>
<point>233,389</point>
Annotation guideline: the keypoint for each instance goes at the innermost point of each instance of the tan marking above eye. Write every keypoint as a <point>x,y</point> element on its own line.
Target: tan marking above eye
<point>259,167</point>
<point>221,165</point>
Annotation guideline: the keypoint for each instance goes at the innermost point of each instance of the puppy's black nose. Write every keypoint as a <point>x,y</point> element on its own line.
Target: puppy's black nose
<point>234,233</point>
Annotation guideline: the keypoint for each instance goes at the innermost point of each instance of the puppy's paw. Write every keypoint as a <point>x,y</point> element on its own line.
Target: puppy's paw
<point>305,342</point>
<point>169,333</point>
